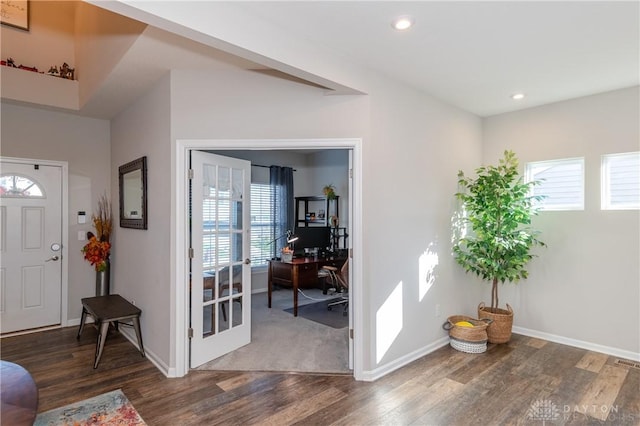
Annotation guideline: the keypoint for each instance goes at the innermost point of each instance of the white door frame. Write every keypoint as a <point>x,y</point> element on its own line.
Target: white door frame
<point>64,296</point>
<point>179,341</point>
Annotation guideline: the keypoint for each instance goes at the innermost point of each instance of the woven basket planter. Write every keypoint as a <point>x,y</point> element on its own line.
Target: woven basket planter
<point>500,329</point>
<point>467,339</point>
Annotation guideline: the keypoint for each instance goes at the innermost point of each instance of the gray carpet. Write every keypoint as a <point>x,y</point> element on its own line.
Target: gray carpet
<point>282,342</point>
<point>319,312</point>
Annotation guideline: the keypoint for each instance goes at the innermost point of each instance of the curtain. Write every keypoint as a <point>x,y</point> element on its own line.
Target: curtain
<point>281,181</point>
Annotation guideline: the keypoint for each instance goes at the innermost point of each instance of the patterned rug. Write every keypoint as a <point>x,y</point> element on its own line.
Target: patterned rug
<point>112,408</point>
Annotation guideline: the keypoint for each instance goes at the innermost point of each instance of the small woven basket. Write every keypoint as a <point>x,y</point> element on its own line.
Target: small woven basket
<point>467,339</point>
<point>468,347</point>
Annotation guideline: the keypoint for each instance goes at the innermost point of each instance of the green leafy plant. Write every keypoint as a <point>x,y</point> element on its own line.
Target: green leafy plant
<point>498,207</point>
<point>329,191</point>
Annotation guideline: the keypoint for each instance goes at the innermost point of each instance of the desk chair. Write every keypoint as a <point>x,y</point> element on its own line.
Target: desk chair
<point>343,280</point>
<point>328,273</point>
<point>226,275</point>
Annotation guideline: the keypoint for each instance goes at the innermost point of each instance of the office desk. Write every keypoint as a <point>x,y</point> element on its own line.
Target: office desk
<point>299,273</point>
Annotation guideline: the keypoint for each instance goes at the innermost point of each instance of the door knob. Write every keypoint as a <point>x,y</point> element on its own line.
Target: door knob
<point>247,261</point>
<point>54,258</point>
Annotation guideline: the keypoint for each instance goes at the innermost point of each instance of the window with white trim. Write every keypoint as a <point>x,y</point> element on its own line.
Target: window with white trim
<point>620,181</point>
<point>561,182</point>
<point>261,223</point>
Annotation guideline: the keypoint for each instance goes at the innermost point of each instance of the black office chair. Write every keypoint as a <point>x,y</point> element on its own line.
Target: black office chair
<point>342,278</point>
<point>328,276</point>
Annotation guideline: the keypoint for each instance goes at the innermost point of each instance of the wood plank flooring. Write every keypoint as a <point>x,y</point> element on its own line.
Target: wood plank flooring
<point>525,382</point>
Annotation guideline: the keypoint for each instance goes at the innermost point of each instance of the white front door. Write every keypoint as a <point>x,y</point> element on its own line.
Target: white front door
<point>220,265</point>
<point>30,245</point>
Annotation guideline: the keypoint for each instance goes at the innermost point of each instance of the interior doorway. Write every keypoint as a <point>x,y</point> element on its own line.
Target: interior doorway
<point>355,244</point>
<point>320,333</point>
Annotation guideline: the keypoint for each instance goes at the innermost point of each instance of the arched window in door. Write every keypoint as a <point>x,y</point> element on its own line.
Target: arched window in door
<point>18,186</point>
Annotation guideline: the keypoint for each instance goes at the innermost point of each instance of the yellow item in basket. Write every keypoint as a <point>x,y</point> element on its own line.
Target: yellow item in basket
<point>464,324</point>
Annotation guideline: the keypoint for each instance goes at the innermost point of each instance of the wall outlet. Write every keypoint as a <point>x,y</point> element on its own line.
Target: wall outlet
<point>437,310</point>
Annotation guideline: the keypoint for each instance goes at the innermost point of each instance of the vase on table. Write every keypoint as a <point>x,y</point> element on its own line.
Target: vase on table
<point>103,280</point>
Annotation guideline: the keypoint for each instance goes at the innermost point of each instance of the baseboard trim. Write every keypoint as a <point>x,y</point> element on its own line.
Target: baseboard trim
<point>75,322</point>
<point>130,336</point>
<point>620,353</point>
<point>372,375</point>
<point>150,355</point>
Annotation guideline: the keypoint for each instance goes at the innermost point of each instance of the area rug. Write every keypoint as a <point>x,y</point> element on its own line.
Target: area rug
<point>319,313</point>
<point>112,408</point>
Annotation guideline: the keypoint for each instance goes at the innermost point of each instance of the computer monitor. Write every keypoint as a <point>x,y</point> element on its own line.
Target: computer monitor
<point>311,237</point>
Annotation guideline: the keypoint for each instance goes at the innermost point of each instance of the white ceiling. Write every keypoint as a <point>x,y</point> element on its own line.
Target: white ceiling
<point>474,55</point>
<point>471,54</point>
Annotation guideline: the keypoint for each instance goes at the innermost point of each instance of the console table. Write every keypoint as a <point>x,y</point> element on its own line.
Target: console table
<point>298,273</point>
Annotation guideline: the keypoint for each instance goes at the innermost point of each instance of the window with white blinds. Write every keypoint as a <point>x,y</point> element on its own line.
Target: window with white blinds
<point>261,223</point>
<point>620,175</point>
<point>561,182</point>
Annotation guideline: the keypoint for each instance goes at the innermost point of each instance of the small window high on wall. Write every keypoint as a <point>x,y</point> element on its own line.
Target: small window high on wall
<point>561,181</point>
<point>620,175</point>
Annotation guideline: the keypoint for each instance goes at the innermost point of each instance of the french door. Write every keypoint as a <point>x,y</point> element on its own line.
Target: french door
<point>30,245</point>
<point>220,260</point>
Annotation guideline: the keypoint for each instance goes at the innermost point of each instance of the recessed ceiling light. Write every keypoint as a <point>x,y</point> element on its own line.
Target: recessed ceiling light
<point>402,23</point>
<point>517,96</point>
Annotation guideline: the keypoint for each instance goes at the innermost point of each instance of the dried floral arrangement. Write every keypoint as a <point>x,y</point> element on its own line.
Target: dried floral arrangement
<point>98,249</point>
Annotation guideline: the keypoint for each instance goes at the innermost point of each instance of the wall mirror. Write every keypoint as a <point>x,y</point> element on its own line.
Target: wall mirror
<point>133,194</point>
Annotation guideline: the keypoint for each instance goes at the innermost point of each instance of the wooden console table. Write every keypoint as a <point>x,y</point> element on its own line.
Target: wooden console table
<point>299,273</point>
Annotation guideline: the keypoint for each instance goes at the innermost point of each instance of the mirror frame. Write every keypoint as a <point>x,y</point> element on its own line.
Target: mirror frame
<point>139,164</point>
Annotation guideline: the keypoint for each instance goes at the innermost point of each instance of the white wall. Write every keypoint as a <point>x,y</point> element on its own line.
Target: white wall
<point>584,287</point>
<point>412,148</point>
<point>141,265</point>
<point>84,144</point>
<point>101,39</point>
<point>416,147</point>
<point>410,165</point>
<point>247,105</point>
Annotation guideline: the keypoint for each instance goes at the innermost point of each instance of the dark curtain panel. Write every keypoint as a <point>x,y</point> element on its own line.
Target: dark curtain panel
<point>281,180</point>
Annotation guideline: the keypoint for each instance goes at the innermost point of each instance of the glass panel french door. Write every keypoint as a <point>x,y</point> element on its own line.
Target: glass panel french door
<point>220,267</point>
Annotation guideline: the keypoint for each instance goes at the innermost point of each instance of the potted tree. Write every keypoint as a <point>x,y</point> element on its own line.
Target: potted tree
<point>497,211</point>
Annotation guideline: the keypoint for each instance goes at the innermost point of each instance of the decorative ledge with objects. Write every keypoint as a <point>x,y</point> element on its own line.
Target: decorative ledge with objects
<point>65,71</point>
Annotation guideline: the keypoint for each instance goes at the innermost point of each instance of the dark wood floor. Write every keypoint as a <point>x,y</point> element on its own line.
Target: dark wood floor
<point>526,381</point>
